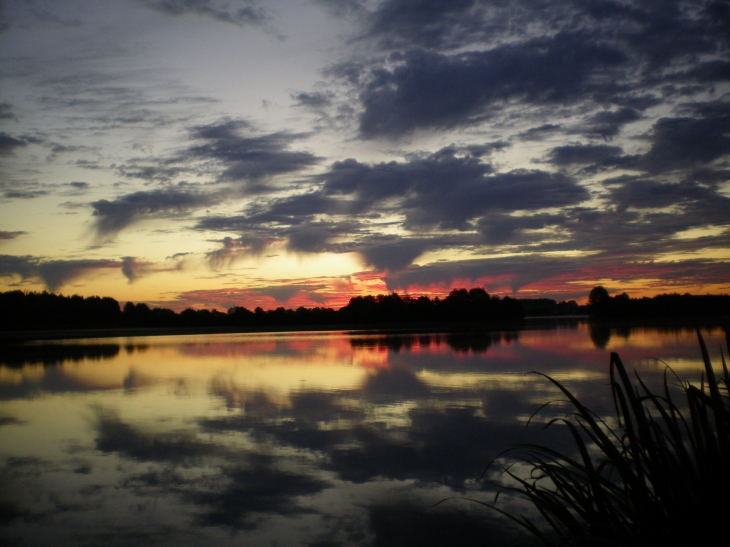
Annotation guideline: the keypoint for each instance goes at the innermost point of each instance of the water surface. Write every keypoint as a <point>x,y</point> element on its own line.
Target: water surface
<point>319,439</point>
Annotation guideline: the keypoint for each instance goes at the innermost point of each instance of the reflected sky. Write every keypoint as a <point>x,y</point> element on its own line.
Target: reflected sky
<point>320,439</point>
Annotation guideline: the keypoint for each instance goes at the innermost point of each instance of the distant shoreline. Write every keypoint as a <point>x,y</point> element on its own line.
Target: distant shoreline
<point>529,323</point>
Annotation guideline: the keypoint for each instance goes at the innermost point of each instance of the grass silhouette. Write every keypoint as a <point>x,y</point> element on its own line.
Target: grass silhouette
<point>659,475</point>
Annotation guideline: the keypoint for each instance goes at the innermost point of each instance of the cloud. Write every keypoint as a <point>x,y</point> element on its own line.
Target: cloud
<point>8,143</point>
<point>427,23</point>
<point>429,90</point>
<point>6,109</point>
<point>237,12</point>
<point>24,194</point>
<point>450,189</point>
<point>444,189</point>
<point>392,253</point>
<point>686,143</point>
<point>134,269</point>
<point>499,229</point>
<point>53,273</point>
<point>540,133</point>
<point>111,217</point>
<point>233,250</point>
<point>447,65</point>
<point>650,194</point>
<point>310,238</point>
<point>10,235</point>
<point>607,124</point>
<point>584,154</point>
<point>247,158</point>
<point>24,14</point>
<point>313,99</point>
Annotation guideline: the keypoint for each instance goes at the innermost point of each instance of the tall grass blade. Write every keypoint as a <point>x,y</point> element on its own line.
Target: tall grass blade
<point>656,476</point>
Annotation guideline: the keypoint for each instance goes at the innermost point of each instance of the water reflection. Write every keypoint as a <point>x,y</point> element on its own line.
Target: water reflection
<point>54,354</point>
<point>316,438</point>
<point>460,342</point>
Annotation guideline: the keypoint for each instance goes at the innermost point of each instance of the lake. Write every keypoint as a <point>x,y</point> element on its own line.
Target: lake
<point>319,439</point>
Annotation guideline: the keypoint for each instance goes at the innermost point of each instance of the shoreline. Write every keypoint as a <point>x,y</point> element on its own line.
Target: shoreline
<point>529,323</point>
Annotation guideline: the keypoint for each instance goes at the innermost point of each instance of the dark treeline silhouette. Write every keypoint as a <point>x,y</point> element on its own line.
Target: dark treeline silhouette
<point>543,307</point>
<point>31,310</point>
<point>39,311</point>
<point>475,305</point>
<point>43,311</point>
<point>664,306</point>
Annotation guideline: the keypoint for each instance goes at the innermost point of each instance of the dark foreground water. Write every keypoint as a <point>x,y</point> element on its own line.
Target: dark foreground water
<point>316,439</point>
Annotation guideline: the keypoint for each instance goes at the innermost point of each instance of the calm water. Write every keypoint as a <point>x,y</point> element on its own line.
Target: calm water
<point>318,439</point>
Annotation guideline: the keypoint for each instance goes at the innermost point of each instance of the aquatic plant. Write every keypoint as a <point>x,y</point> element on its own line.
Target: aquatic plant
<point>660,475</point>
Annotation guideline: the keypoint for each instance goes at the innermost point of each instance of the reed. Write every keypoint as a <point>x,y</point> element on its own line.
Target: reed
<point>659,476</point>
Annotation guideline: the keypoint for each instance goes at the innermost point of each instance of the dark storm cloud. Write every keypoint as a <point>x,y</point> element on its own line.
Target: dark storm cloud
<point>429,90</point>
<point>651,194</point>
<point>113,216</point>
<point>686,143</point>
<point>584,154</point>
<point>540,133</point>
<point>250,158</point>
<point>450,64</point>
<point>607,124</point>
<point>25,267</point>
<point>392,253</point>
<point>519,190</point>
<point>499,229</point>
<point>8,143</point>
<point>449,190</point>
<point>53,273</point>
<point>237,12</point>
<point>302,207</point>
<point>660,31</point>
<point>56,273</point>
<point>428,23</point>
<point>313,237</point>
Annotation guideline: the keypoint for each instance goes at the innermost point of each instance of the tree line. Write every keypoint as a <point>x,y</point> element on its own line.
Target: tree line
<point>21,310</point>
<point>685,306</point>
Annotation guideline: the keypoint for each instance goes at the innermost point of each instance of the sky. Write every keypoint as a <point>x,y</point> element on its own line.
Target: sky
<point>218,153</point>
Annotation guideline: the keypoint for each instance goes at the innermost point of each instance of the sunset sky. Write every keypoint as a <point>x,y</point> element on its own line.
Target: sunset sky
<point>212,153</point>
